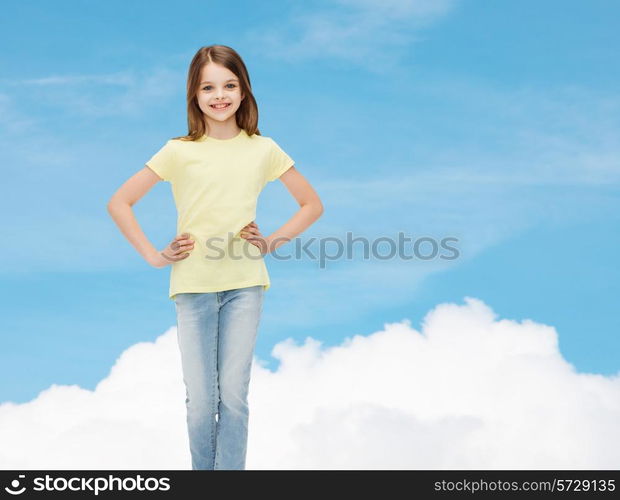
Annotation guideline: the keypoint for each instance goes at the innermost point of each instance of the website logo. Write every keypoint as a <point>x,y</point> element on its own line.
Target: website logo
<point>14,488</point>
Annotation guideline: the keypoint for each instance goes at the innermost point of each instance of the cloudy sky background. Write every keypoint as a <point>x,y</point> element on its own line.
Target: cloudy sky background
<point>495,123</point>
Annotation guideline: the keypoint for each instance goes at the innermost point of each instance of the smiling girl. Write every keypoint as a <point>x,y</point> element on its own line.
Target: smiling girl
<point>218,274</point>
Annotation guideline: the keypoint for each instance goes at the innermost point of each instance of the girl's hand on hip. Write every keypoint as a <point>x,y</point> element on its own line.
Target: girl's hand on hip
<point>251,233</point>
<point>178,249</point>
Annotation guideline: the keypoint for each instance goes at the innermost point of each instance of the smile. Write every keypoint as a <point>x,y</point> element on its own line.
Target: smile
<point>220,106</point>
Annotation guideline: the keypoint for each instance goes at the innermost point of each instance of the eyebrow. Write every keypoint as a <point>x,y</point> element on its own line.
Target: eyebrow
<point>229,80</point>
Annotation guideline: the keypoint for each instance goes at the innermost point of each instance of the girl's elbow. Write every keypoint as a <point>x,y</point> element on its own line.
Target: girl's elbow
<point>319,209</point>
<point>114,203</point>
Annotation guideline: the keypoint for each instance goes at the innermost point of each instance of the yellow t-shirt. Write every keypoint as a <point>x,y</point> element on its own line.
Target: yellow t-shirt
<point>215,185</point>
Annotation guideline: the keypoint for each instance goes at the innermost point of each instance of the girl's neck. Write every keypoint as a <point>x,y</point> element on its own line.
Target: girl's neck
<point>223,130</point>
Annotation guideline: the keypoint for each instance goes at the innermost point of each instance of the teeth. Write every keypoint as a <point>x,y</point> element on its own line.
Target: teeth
<point>219,106</point>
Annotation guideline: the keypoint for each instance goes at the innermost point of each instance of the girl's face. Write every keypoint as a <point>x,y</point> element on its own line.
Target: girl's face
<point>218,85</point>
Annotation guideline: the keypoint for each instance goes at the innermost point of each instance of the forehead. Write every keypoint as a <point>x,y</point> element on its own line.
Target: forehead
<point>215,73</point>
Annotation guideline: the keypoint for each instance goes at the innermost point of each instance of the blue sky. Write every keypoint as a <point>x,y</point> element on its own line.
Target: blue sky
<point>494,122</point>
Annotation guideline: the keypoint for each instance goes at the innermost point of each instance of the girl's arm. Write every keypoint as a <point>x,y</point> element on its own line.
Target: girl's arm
<point>310,210</point>
<point>119,208</point>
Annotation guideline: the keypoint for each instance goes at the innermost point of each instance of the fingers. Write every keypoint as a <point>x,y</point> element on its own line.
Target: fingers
<point>179,248</point>
<point>183,239</point>
<point>250,234</point>
<point>174,257</point>
<point>249,230</point>
<point>171,259</point>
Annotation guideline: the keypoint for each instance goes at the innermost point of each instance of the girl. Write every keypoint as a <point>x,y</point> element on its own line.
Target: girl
<point>218,275</point>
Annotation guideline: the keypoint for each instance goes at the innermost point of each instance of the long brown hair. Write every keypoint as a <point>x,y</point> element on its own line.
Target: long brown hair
<point>246,115</point>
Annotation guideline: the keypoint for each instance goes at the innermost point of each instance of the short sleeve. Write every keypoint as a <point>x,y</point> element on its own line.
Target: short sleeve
<point>279,161</point>
<point>163,162</point>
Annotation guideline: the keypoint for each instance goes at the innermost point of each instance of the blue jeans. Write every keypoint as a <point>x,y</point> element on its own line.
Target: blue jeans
<point>216,332</point>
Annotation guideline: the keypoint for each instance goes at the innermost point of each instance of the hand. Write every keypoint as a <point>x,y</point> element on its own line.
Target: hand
<point>178,249</point>
<point>251,233</point>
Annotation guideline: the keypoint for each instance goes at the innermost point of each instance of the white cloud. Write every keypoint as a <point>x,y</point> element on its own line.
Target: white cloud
<point>369,33</point>
<point>468,391</point>
<point>11,120</point>
<point>121,93</point>
<point>120,78</point>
